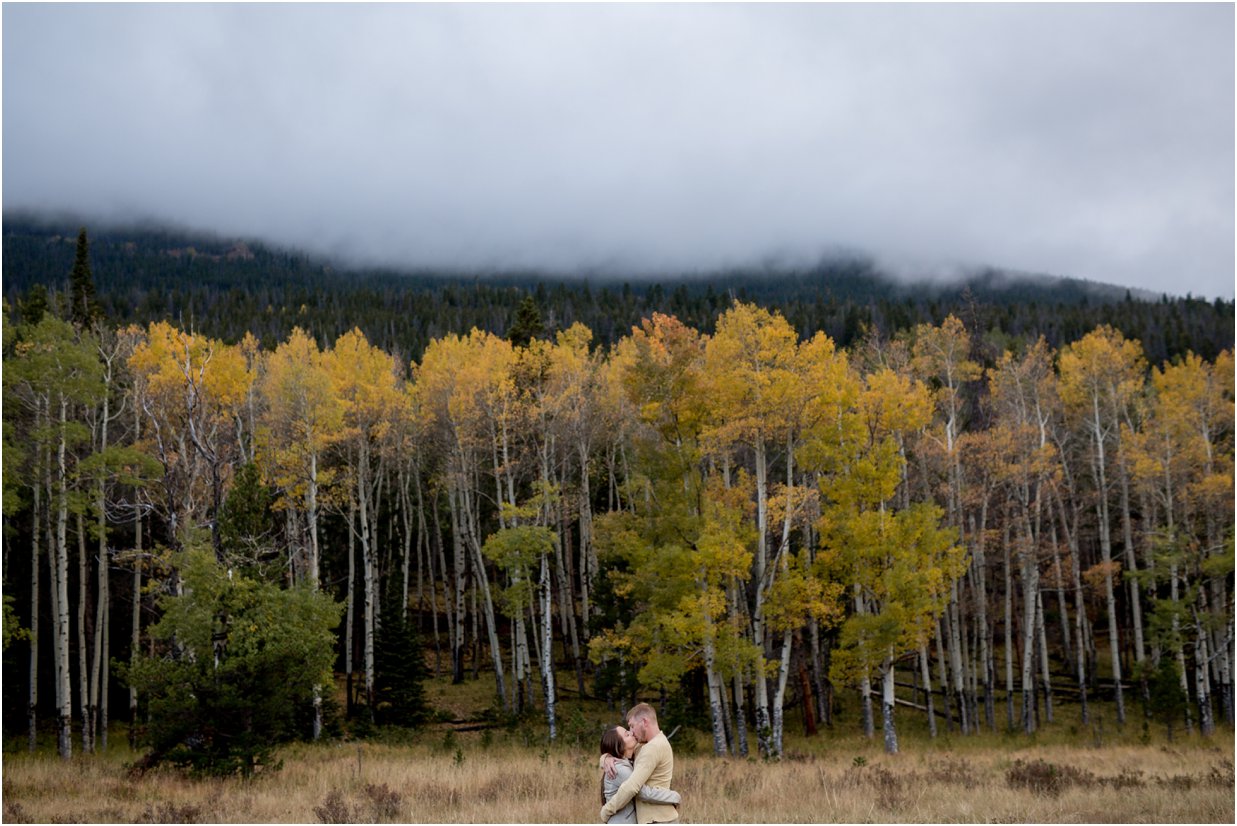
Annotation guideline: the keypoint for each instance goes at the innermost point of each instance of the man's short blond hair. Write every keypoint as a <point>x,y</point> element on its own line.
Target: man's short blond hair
<point>642,711</point>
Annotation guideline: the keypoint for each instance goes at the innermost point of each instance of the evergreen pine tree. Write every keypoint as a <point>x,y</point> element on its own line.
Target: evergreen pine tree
<point>1166,700</point>
<point>527,325</point>
<point>81,285</point>
<point>34,305</point>
<point>399,669</point>
<point>247,526</point>
<point>246,657</point>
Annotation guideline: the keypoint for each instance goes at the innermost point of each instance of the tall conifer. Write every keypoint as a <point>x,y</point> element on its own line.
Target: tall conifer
<point>527,325</point>
<point>81,285</point>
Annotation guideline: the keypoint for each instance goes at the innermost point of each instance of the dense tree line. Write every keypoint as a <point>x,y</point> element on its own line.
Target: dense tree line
<point>741,521</point>
<point>226,288</point>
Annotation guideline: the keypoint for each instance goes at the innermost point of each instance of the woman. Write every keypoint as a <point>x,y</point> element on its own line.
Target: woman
<point>620,743</point>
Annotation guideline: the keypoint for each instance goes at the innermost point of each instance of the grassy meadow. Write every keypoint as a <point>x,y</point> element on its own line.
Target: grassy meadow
<point>1063,774</point>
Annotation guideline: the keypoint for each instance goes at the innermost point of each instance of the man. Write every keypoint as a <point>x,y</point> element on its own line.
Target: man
<point>654,766</point>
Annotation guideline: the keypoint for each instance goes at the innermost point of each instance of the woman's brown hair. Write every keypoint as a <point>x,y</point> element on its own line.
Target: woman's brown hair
<point>611,743</point>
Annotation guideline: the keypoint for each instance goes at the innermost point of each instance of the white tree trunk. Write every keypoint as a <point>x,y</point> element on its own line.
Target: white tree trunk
<point>83,644</point>
<point>547,649</point>
<point>1105,531</point>
<point>764,728</point>
<point>97,709</point>
<point>983,627</point>
<point>954,624</point>
<point>1202,678</point>
<point>887,705</point>
<point>367,573</point>
<point>588,554</point>
<point>762,512</point>
<point>36,529</point>
<point>865,699</point>
<point>716,712</point>
<point>98,672</point>
<point>60,583</point>
<point>519,652</point>
<point>1062,601</point>
<point>135,624</point>
<point>405,512</point>
<point>1009,636</point>
<point>483,584</point>
<point>1131,564</point>
<point>779,695</point>
<point>1043,654</point>
<point>1080,612</point>
<point>311,517</point>
<point>926,676</point>
<point>350,610</point>
<point>1030,587</point>
<point>460,563</point>
<point>1179,648</point>
<point>107,665</point>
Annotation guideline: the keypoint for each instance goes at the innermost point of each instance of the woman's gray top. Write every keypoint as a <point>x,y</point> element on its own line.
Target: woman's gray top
<point>627,814</point>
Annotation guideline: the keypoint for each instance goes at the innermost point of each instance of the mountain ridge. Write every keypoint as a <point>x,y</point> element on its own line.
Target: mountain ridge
<point>66,225</point>
<point>227,285</point>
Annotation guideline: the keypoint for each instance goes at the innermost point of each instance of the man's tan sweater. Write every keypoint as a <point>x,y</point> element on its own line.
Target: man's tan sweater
<point>654,766</point>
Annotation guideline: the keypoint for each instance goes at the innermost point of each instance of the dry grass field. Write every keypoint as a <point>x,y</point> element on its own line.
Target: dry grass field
<point>487,778</point>
<point>1065,773</point>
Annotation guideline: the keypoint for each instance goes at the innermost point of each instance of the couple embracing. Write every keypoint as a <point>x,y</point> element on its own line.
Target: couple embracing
<point>637,791</point>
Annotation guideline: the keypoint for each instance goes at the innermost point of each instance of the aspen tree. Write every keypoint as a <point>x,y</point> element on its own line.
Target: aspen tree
<point>1022,393</point>
<point>56,369</point>
<point>899,562</point>
<point>467,396</point>
<point>817,390</point>
<point>432,382</point>
<point>941,355</point>
<point>541,408</point>
<point>301,418</point>
<point>983,452</point>
<point>25,461</point>
<point>679,562</point>
<point>575,388</point>
<point>617,419</point>
<point>1065,489</point>
<point>1100,373</point>
<point>518,551</point>
<point>113,463</point>
<point>363,379</point>
<point>750,378</point>
<point>410,458</point>
<point>1181,458</point>
<point>192,388</point>
<point>132,335</point>
<point>685,542</point>
<point>35,565</point>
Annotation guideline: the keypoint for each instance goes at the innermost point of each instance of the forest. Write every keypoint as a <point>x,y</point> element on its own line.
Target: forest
<point>735,517</point>
<point>227,287</point>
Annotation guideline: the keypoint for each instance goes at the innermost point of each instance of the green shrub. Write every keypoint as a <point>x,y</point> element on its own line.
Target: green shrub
<point>239,659</point>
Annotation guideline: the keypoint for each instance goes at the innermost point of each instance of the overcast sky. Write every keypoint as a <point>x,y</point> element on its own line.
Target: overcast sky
<point>1094,141</point>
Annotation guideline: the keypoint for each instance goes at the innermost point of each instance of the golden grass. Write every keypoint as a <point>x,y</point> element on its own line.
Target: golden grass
<point>469,778</point>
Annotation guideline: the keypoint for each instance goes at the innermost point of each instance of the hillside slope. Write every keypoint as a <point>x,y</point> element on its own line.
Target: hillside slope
<point>225,287</point>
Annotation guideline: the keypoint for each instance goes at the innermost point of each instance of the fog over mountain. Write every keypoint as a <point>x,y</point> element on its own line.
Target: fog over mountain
<point>1094,141</point>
